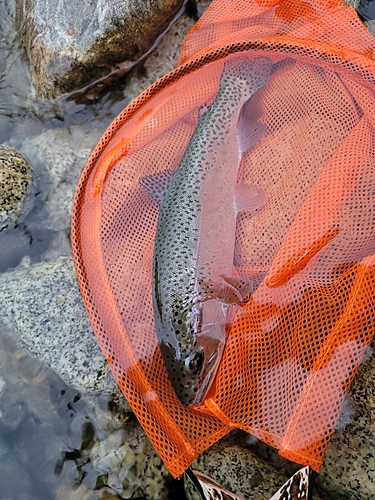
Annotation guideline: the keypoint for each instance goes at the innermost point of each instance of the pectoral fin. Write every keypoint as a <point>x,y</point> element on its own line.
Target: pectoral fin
<point>249,197</point>
<point>156,185</point>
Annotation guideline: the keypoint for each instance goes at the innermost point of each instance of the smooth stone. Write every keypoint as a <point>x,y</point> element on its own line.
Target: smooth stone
<point>70,45</point>
<point>130,464</point>
<point>348,472</point>
<point>15,185</point>
<point>56,328</point>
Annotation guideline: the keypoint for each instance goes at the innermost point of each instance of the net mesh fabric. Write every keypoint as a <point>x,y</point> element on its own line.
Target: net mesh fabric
<point>294,348</point>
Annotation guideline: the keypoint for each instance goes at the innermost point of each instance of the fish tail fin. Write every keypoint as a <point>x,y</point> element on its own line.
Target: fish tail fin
<point>253,72</point>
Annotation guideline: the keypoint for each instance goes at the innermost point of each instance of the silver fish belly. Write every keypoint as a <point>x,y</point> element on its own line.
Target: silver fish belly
<point>193,282</point>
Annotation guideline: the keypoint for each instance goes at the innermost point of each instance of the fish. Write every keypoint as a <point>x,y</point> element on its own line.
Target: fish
<point>193,278</point>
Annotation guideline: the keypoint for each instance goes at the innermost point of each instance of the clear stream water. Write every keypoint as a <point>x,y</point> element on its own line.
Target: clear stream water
<point>45,425</point>
<point>45,428</point>
<point>24,116</point>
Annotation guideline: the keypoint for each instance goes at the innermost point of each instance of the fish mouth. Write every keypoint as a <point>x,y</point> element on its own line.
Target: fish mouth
<point>202,391</point>
<point>208,375</point>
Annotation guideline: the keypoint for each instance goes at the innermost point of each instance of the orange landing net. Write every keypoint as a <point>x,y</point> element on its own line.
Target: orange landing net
<point>294,348</point>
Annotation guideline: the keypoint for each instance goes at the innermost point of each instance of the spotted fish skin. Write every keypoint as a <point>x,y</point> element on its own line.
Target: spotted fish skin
<point>194,244</point>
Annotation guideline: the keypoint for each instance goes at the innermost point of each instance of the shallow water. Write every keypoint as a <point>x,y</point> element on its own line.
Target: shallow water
<point>25,116</point>
<point>37,412</point>
<point>46,427</point>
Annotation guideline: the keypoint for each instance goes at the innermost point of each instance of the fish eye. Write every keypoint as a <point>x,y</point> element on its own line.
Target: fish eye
<point>194,363</point>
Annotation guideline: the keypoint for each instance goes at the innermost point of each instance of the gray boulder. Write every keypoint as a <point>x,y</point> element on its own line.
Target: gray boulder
<point>72,44</point>
<point>56,328</point>
<point>349,466</point>
<point>238,470</point>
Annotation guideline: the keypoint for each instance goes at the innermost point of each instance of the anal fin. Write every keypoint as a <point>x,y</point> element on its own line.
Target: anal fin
<point>156,185</point>
<point>230,291</point>
<point>249,133</point>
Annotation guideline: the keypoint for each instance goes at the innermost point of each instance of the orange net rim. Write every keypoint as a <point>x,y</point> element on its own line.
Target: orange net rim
<point>276,47</point>
<point>321,52</point>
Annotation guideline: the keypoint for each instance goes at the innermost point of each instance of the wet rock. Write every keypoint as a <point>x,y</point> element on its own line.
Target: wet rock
<point>17,97</point>
<point>59,154</point>
<point>114,454</point>
<point>56,328</point>
<point>69,45</point>
<point>366,11</point>
<point>13,415</point>
<point>130,465</point>
<point>14,479</point>
<point>240,471</point>
<point>59,146</point>
<point>2,385</point>
<point>82,433</point>
<point>349,466</point>
<point>70,445</point>
<point>26,384</point>
<point>371,26</point>
<point>38,448</point>
<point>15,185</point>
<point>352,3</point>
<point>60,158</point>
<point>81,492</point>
<point>4,448</point>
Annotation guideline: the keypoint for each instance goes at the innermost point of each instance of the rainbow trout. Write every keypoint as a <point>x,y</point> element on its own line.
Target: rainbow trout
<point>193,282</point>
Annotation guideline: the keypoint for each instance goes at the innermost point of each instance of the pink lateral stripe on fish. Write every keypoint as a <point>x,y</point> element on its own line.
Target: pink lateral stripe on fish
<point>193,282</point>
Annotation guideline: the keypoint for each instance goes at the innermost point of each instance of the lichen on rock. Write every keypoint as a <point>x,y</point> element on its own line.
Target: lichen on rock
<point>72,44</point>
<point>15,183</point>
